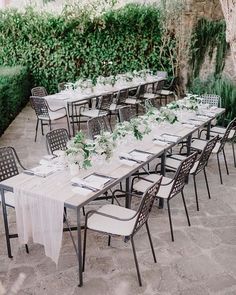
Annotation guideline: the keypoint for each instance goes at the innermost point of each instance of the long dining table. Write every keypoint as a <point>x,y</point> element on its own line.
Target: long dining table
<point>115,169</point>
<point>70,98</point>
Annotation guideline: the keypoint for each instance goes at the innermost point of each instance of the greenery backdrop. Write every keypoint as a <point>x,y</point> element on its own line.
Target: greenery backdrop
<point>66,47</point>
<point>14,93</point>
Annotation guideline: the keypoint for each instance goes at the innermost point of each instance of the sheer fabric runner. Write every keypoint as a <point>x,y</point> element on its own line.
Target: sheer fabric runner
<point>39,212</point>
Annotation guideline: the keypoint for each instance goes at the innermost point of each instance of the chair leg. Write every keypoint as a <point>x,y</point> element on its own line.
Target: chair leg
<point>218,161</point>
<point>150,241</point>
<point>36,130</point>
<point>83,210</point>
<point>42,127</point>
<point>170,221</point>
<point>4,210</point>
<point>136,262</point>
<point>68,125</point>
<point>109,241</point>
<point>26,249</point>
<point>84,246</point>
<point>207,185</point>
<point>226,165</point>
<point>232,143</point>
<point>185,207</point>
<point>195,189</point>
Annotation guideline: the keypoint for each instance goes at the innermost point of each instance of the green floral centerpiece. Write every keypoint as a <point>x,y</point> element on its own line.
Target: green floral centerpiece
<point>168,115</point>
<point>79,151</point>
<point>104,145</point>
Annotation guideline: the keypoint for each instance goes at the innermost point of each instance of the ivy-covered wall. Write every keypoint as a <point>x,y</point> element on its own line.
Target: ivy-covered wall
<point>65,47</point>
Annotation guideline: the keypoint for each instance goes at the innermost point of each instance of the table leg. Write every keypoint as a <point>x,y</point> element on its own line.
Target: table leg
<point>4,211</point>
<point>79,248</point>
<point>189,141</point>
<point>128,190</point>
<point>163,172</point>
<point>72,119</point>
<point>208,130</point>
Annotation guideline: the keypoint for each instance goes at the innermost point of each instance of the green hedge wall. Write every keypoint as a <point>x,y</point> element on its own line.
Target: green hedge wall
<point>14,93</point>
<point>69,46</point>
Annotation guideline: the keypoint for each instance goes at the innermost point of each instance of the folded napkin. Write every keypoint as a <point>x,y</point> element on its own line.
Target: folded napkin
<point>85,183</point>
<point>136,155</point>
<point>161,143</point>
<point>42,170</point>
<point>190,126</point>
<point>81,191</point>
<point>128,162</point>
<point>167,138</point>
<point>204,118</point>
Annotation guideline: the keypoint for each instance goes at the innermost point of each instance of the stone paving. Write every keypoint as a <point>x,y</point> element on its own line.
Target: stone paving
<point>201,261</point>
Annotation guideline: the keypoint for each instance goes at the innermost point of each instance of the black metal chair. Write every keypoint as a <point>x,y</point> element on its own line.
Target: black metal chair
<point>126,114</point>
<point>45,115</point>
<point>136,99</point>
<point>39,91</point>
<point>102,108</point>
<point>220,131</point>
<point>9,167</point>
<point>174,161</point>
<point>96,125</point>
<point>57,140</point>
<point>169,187</point>
<point>119,221</point>
<point>199,144</point>
<point>211,99</point>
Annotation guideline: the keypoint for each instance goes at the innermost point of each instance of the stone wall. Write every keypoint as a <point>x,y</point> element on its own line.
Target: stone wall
<point>210,9</point>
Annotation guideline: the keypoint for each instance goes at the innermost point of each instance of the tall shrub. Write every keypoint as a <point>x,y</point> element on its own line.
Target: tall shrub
<point>69,46</point>
<point>14,93</point>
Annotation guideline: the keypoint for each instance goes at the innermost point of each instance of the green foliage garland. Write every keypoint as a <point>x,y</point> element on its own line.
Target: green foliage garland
<point>206,36</point>
<point>72,45</point>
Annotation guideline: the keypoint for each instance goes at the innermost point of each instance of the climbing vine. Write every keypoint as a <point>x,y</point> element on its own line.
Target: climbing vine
<point>207,36</point>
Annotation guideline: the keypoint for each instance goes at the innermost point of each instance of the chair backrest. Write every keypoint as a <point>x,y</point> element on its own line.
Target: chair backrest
<point>153,102</point>
<point>9,162</point>
<point>40,106</point>
<point>57,140</point>
<point>205,155</point>
<point>158,86</point>
<point>212,99</point>
<point>181,174</point>
<point>146,205</point>
<point>224,139</point>
<point>162,74</point>
<point>125,114</point>
<point>96,126</point>
<point>105,102</point>
<point>39,91</point>
<point>61,86</point>
<point>140,91</point>
<point>122,95</point>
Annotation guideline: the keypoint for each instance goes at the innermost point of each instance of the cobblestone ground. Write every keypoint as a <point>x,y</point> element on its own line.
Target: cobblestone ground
<point>202,260</point>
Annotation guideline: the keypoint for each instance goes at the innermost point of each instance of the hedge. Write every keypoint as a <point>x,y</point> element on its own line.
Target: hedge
<point>14,93</point>
<point>69,46</point>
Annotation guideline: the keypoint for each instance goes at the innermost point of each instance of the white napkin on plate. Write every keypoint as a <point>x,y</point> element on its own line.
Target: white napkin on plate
<point>136,155</point>
<point>161,143</point>
<point>81,191</point>
<point>128,163</point>
<point>42,170</point>
<point>84,182</point>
